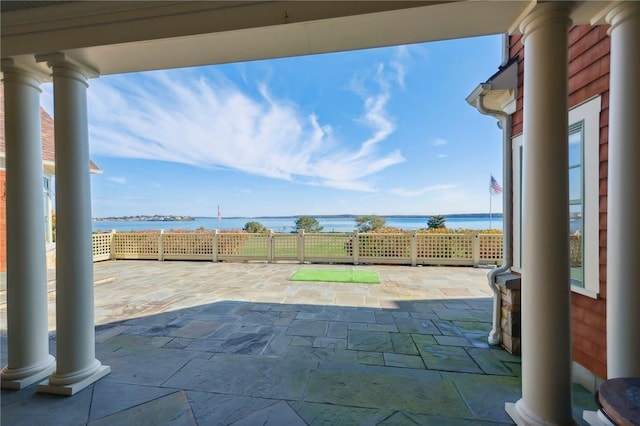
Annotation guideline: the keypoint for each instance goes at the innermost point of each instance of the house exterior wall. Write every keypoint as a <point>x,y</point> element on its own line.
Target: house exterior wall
<point>589,49</point>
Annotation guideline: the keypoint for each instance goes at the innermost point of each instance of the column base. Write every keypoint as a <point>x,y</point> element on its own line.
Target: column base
<point>73,388</point>
<point>521,416</point>
<point>21,378</point>
<point>596,418</point>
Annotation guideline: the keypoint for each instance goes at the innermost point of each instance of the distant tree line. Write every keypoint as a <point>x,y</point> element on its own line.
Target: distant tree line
<point>365,223</point>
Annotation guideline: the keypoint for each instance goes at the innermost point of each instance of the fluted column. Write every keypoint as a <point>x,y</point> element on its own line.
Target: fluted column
<point>75,336</point>
<point>623,205</point>
<point>546,318</point>
<point>27,318</point>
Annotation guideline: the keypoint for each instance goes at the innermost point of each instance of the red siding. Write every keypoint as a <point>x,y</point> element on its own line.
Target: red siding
<point>589,49</point>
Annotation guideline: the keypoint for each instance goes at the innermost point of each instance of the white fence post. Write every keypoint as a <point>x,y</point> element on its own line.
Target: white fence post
<point>414,248</point>
<point>161,245</point>
<point>476,249</point>
<point>301,246</point>
<point>270,247</point>
<point>214,245</point>
<point>355,248</point>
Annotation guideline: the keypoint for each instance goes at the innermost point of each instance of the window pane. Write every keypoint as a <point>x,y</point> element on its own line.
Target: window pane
<point>576,238</point>
<point>575,183</point>
<point>575,149</point>
<point>575,218</point>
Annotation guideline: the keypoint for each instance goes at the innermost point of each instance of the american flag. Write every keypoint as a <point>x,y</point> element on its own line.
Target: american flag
<point>494,186</point>
<point>219,213</point>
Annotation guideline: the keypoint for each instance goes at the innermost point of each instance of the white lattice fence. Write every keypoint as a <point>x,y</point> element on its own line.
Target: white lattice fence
<point>187,246</point>
<point>490,248</point>
<point>132,245</point>
<point>101,247</point>
<point>411,249</point>
<point>384,248</point>
<point>328,247</point>
<point>243,246</point>
<point>444,249</point>
<point>285,246</point>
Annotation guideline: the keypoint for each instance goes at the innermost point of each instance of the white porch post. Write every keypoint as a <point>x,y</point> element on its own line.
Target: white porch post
<point>623,207</point>
<point>75,336</point>
<point>546,326</point>
<point>27,319</point>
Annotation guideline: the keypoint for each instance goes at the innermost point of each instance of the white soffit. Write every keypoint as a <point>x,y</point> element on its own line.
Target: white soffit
<point>436,21</point>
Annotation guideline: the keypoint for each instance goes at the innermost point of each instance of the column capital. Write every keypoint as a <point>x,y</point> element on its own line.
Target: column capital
<point>23,74</point>
<point>621,12</point>
<point>545,13</point>
<point>64,63</point>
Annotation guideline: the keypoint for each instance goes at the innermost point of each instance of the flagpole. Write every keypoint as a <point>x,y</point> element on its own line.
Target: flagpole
<point>490,211</point>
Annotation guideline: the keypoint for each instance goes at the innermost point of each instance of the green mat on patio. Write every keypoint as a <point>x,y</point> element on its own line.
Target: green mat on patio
<point>336,276</point>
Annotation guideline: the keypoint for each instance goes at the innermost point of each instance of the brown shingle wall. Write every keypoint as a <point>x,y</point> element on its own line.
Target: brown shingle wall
<point>589,49</point>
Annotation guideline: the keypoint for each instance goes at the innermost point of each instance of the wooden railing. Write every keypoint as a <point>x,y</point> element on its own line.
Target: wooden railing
<point>411,248</point>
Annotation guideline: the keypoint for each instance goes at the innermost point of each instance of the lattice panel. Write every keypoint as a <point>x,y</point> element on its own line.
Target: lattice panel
<point>231,244</point>
<point>188,243</point>
<point>101,246</point>
<point>490,247</point>
<point>285,246</point>
<point>445,246</point>
<point>575,250</point>
<point>243,244</point>
<point>385,245</point>
<point>144,245</point>
<point>327,245</point>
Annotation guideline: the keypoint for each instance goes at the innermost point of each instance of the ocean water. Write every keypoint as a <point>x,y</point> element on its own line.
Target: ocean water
<point>287,224</point>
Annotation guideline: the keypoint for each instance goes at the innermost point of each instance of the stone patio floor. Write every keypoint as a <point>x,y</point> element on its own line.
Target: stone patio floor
<point>199,343</point>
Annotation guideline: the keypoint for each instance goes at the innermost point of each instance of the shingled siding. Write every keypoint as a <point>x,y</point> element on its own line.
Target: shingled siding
<point>589,49</point>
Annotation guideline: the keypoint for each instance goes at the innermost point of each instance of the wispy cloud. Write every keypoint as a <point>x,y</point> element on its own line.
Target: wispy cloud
<point>442,155</point>
<point>118,179</point>
<point>186,117</point>
<point>403,192</point>
<point>439,142</point>
<point>399,64</point>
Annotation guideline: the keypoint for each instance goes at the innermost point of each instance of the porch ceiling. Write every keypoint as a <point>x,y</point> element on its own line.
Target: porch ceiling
<point>117,37</point>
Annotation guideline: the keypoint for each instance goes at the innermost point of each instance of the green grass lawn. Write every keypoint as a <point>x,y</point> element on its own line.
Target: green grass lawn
<point>336,276</point>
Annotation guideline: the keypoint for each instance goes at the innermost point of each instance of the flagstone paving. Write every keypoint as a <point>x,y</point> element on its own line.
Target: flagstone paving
<point>199,343</point>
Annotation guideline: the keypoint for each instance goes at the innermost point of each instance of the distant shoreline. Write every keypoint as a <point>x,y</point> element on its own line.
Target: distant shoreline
<point>146,218</point>
<point>176,218</point>
<point>351,216</point>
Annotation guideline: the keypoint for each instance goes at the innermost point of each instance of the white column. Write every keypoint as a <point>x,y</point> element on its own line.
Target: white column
<point>75,336</point>
<point>623,206</point>
<point>546,319</point>
<point>27,319</point>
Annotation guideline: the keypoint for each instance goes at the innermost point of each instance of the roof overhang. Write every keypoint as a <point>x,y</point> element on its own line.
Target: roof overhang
<point>118,37</point>
<point>498,93</point>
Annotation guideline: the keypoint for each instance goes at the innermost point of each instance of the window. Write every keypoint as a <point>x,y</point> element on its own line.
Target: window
<point>517,202</point>
<point>576,204</point>
<point>584,196</point>
<point>584,166</point>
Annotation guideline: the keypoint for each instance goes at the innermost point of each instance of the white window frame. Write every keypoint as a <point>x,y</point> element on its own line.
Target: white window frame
<point>516,146</point>
<point>589,113</point>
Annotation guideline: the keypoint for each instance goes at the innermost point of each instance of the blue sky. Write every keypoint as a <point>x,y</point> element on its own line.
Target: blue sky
<point>380,131</point>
